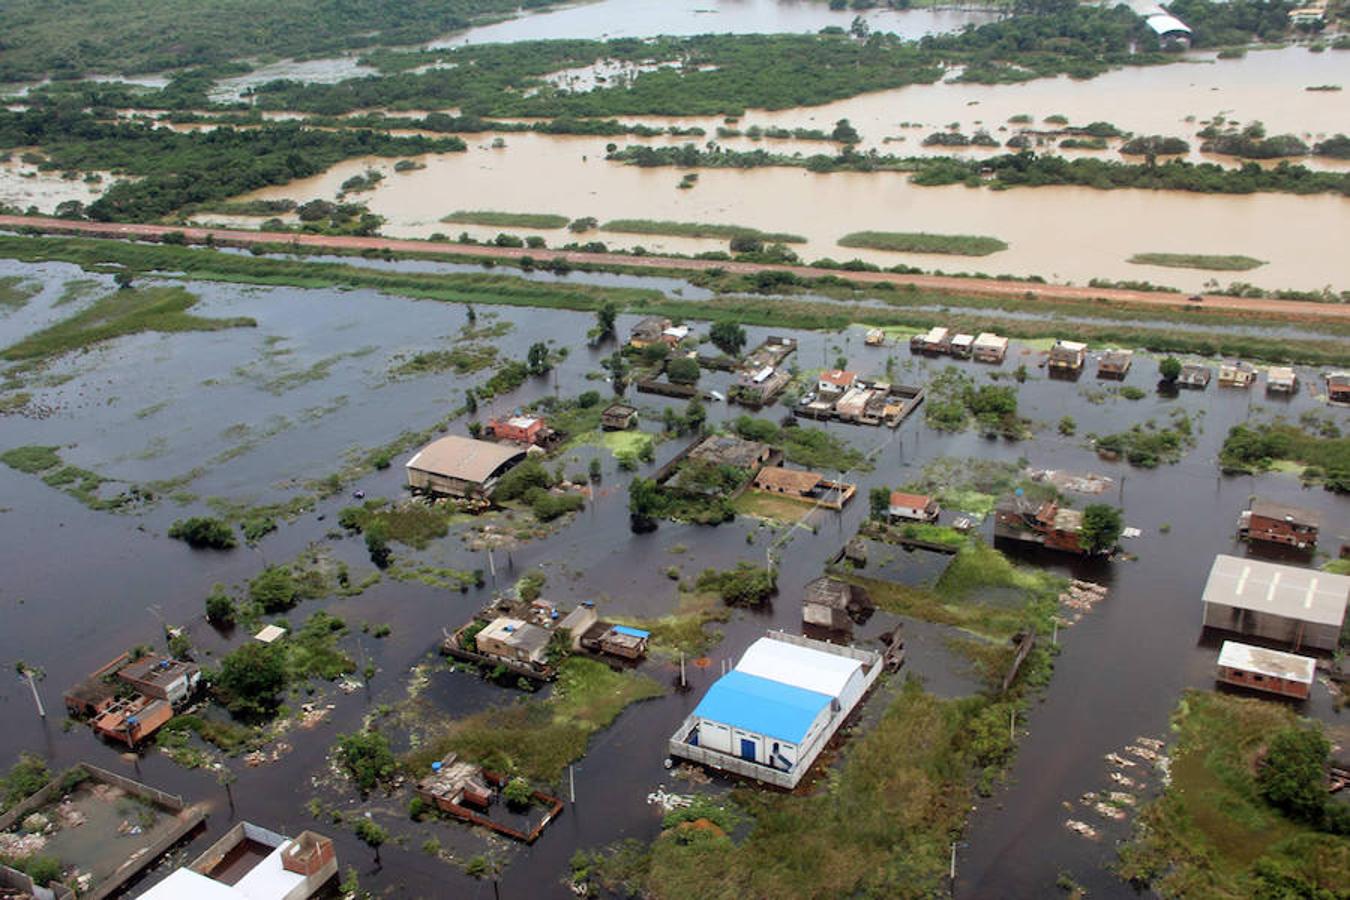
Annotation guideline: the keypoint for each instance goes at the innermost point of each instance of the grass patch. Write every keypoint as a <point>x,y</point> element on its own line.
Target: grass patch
<point>683,630</point>
<point>461,360</point>
<point>16,291</point>
<point>162,309</point>
<point>82,484</point>
<point>31,459</point>
<point>76,290</point>
<point>1211,834</point>
<point>921,242</point>
<point>411,523</point>
<point>700,230</point>
<point>507,219</point>
<point>1212,263</point>
<point>538,738</point>
<point>774,507</point>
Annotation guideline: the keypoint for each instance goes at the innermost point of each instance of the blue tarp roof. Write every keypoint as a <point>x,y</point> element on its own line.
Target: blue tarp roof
<point>762,706</point>
<point>632,632</point>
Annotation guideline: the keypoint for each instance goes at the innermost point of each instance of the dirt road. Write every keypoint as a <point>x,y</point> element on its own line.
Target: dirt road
<point>1286,309</point>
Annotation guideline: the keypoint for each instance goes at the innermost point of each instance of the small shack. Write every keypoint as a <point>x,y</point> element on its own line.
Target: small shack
<point>1236,373</point>
<point>625,641</point>
<point>648,331</point>
<point>162,677</point>
<point>1338,387</point>
<point>729,450</point>
<point>460,466</point>
<point>1262,669</point>
<point>618,417</point>
<point>989,347</point>
<point>834,604</point>
<point>875,337</point>
<point>913,507</point>
<point>934,340</point>
<point>1291,605</point>
<point>1279,523</point>
<point>131,720</point>
<point>1019,518</point>
<point>528,430</point>
<point>1281,380</point>
<point>1067,357</point>
<point>1115,364</point>
<point>1195,376</point>
<point>961,346</point>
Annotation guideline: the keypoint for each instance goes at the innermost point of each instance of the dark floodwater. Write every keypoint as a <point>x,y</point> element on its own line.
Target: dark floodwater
<point>77,587</point>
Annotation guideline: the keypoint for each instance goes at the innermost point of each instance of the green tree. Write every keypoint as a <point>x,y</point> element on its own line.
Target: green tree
<point>879,501</point>
<point>1067,426</point>
<point>372,835</point>
<point>517,793</point>
<point>646,503</point>
<point>682,370</point>
<point>844,132</point>
<point>728,337</point>
<point>377,543</point>
<point>367,757</point>
<point>1169,368</point>
<point>1293,776</point>
<point>203,532</point>
<point>274,589</point>
<point>1102,525</point>
<point>695,414</point>
<point>251,680</point>
<point>124,279</point>
<point>537,359</point>
<point>470,402</point>
<point>604,319</point>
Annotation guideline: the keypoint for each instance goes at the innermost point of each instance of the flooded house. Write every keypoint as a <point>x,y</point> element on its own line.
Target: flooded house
<point>1338,387</point>
<point>1263,669</point>
<point>618,417</point>
<point>758,387</point>
<point>131,720</point>
<point>647,332</point>
<point>835,381</point>
<point>1286,604</point>
<point>1115,364</point>
<point>162,677</point>
<point>527,430</point>
<point>460,466</point>
<point>729,450</point>
<point>875,337</point>
<point>1194,376</point>
<point>1279,523</point>
<point>1020,518</point>
<point>989,348</point>
<point>913,507</point>
<point>934,340</point>
<point>1236,373</point>
<point>514,640</point>
<point>811,487</point>
<point>772,714</point>
<point>1281,380</point>
<point>834,604</point>
<point>253,863</point>
<point>1067,357</point>
<point>591,633</point>
<point>469,792</point>
<point>962,346</point>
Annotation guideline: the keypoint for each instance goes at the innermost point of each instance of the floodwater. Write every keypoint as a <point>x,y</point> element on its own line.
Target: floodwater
<point>22,185</point>
<point>647,18</point>
<point>1064,234</point>
<point>92,584</point>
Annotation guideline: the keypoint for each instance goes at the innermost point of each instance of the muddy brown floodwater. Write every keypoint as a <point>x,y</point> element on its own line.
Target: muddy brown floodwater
<point>77,586</point>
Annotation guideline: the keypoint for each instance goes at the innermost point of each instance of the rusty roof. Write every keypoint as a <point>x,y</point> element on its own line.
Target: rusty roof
<point>1272,510</point>
<point>778,477</point>
<point>913,501</point>
<point>464,458</point>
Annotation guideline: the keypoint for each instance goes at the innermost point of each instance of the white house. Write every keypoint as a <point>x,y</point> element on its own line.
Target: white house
<point>915,507</point>
<point>836,381</point>
<point>770,717</point>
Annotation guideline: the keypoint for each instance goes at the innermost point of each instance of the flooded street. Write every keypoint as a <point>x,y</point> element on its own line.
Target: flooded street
<point>260,409</point>
<point>1093,234</point>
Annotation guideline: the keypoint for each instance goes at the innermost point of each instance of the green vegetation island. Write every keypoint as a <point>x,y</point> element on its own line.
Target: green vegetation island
<point>919,242</point>
<point>1212,263</point>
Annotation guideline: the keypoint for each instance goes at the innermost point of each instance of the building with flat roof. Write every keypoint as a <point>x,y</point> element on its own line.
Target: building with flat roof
<point>514,639</point>
<point>1279,523</point>
<point>770,716</point>
<point>1114,363</point>
<point>253,863</point>
<point>1338,387</point>
<point>1067,357</point>
<point>1194,375</point>
<point>1281,379</point>
<point>162,677</point>
<point>1262,669</point>
<point>1236,373</point>
<point>915,507</point>
<point>519,429</point>
<point>461,466</point>
<point>989,347</point>
<point>618,417</point>
<point>1291,605</point>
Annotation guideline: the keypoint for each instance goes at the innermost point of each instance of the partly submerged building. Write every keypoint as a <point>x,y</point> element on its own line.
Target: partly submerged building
<point>1262,669</point>
<point>1067,357</point>
<point>253,863</point>
<point>770,716</point>
<point>1279,523</point>
<point>989,347</point>
<point>1019,518</point>
<point>460,466</point>
<point>1291,605</point>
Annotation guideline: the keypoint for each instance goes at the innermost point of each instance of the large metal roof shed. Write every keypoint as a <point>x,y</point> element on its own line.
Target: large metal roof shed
<point>1297,606</point>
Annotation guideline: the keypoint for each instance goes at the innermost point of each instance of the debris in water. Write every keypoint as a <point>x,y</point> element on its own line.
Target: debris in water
<point>1117,760</point>
<point>668,801</point>
<point>1082,828</point>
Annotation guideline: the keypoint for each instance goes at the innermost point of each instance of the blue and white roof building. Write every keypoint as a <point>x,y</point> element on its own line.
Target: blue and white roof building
<point>770,716</point>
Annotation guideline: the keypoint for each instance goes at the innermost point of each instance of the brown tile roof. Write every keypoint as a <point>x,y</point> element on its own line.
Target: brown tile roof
<point>791,479</point>
<point>913,501</point>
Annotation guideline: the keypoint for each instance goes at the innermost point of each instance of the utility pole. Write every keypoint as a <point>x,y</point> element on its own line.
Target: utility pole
<point>953,867</point>
<point>31,675</point>
<point>572,782</point>
<point>682,682</point>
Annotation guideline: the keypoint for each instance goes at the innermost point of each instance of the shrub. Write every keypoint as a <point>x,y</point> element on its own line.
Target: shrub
<point>274,589</point>
<point>1293,777</point>
<point>517,793</point>
<point>203,532</point>
<point>251,679</point>
<point>367,758</point>
<point>683,370</point>
<point>1102,525</point>
<point>745,585</point>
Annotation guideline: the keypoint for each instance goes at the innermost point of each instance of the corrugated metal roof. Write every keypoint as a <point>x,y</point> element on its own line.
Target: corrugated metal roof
<point>803,667</point>
<point>463,458</point>
<point>632,632</point>
<point>1274,510</point>
<point>762,706</point>
<point>1275,663</point>
<point>1304,594</point>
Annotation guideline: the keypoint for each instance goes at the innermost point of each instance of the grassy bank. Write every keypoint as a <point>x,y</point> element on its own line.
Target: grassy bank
<point>1212,834</point>
<point>507,219</point>
<point>163,309</point>
<point>778,311</point>
<point>919,242</point>
<point>538,738</point>
<point>1262,446</point>
<point>683,630</point>
<point>81,484</point>
<point>700,230</point>
<point>1230,263</point>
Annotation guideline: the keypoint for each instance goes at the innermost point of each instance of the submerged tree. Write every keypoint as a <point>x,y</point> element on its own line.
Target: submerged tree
<point>1102,525</point>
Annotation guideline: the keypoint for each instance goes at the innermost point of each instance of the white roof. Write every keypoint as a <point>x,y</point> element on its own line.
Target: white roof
<point>989,339</point>
<point>1280,373</point>
<point>762,374</point>
<point>184,883</point>
<point>1071,346</point>
<point>522,421</point>
<point>269,634</point>
<point>1162,23</point>
<point>963,340</point>
<point>935,335</point>
<point>1289,591</point>
<point>803,667</point>
<point>679,332</point>
<point>1275,663</point>
<point>268,880</point>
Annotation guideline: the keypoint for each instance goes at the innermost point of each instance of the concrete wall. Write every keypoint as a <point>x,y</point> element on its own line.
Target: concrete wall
<point>1294,633</point>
